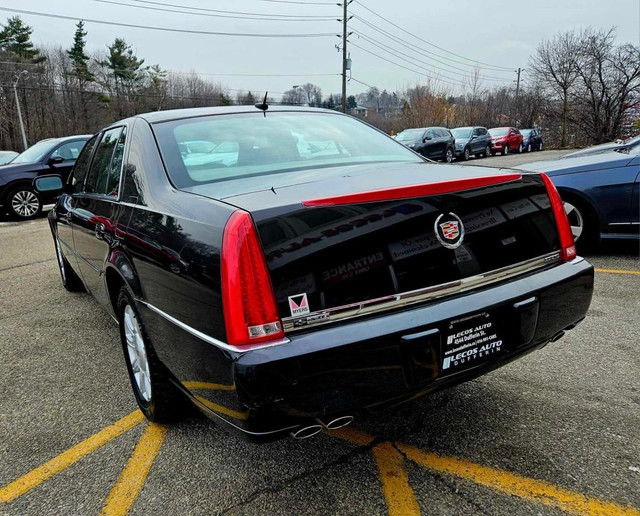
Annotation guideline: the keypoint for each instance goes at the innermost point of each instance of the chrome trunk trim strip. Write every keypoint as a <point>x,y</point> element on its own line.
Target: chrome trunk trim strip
<point>401,300</point>
<point>208,339</point>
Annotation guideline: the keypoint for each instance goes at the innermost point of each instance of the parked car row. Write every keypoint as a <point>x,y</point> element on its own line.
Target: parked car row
<point>444,144</point>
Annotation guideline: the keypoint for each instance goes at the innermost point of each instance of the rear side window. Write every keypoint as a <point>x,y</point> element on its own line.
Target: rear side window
<point>101,166</point>
<point>68,151</point>
<point>113,184</point>
<point>81,167</point>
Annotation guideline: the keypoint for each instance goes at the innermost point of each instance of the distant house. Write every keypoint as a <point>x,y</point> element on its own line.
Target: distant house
<point>359,111</point>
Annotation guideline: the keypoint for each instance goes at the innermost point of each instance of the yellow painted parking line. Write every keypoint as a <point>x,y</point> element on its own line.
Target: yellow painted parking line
<point>209,386</point>
<point>395,481</point>
<point>223,410</point>
<point>352,435</point>
<point>35,477</point>
<point>501,480</point>
<point>518,485</point>
<point>617,271</point>
<point>134,475</point>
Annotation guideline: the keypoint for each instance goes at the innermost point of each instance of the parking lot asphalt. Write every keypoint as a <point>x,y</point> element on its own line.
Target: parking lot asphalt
<point>555,432</point>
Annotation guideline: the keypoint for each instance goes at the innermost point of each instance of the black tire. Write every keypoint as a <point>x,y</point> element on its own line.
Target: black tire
<point>466,154</point>
<point>520,149</point>
<point>70,280</point>
<point>505,150</point>
<point>24,203</point>
<point>448,155</point>
<point>487,151</point>
<point>165,402</point>
<point>581,214</point>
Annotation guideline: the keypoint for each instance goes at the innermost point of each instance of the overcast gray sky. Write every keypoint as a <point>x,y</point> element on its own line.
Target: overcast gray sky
<point>501,35</point>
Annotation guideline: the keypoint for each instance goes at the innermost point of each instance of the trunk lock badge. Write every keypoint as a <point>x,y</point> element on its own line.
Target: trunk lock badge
<point>449,230</point>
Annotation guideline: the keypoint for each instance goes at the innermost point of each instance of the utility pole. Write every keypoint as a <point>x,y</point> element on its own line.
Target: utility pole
<point>518,85</point>
<point>15,92</point>
<point>345,3</point>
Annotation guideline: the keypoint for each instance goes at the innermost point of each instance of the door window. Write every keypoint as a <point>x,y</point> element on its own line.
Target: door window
<point>429,134</point>
<point>81,167</point>
<point>113,184</point>
<point>101,166</point>
<point>68,151</point>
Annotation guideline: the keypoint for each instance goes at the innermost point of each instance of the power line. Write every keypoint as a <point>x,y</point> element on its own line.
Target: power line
<point>258,74</point>
<point>423,52</point>
<point>398,54</point>
<point>360,82</point>
<point>405,67</point>
<point>170,29</point>
<point>227,14</point>
<point>497,67</point>
<point>296,2</point>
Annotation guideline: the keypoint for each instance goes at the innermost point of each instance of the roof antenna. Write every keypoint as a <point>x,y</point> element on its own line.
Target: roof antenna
<point>264,106</point>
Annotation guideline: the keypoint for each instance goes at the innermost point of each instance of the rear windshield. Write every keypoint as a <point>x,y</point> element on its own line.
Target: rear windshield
<point>205,150</point>
<point>501,131</point>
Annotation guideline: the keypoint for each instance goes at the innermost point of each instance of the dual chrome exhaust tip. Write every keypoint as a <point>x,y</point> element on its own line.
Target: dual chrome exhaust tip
<point>310,430</point>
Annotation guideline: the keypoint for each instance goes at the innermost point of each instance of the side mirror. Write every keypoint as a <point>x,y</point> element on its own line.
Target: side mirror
<point>473,137</point>
<point>48,184</point>
<point>55,160</point>
<point>426,138</point>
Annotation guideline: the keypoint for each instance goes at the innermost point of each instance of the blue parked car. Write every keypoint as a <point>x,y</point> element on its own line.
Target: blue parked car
<point>601,193</point>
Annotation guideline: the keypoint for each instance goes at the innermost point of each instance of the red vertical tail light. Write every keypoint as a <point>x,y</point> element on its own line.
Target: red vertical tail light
<point>568,246</point>
<point>250,308</point>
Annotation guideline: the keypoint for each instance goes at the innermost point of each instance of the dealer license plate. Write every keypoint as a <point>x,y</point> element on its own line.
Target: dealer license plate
<point>470,341</point>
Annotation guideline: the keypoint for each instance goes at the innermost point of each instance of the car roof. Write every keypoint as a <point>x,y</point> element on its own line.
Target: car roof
<point>66,138</point>
<point>177,114</point>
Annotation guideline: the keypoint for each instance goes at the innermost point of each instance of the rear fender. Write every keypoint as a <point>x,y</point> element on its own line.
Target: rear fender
<point>119,271</point>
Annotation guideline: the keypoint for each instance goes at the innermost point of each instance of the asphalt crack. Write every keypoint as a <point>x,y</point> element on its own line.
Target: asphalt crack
<point>281,486</point>
<point>27,264</point>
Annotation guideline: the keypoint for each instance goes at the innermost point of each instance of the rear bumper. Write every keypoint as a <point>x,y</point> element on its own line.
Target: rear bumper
<point>388,359</point>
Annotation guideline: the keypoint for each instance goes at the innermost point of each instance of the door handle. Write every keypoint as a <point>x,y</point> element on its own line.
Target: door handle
<point>68,216</point>
<point>100,231</point>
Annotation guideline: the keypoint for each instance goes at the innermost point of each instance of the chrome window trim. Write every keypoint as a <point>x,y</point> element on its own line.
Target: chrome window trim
<point>401,300</point>
<point>207,338</point>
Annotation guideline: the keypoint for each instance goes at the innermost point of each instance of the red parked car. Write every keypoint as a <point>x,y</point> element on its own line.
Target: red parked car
<point>505,140</point>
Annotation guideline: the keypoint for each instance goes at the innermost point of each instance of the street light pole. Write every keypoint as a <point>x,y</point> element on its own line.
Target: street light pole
<point>15,92</point>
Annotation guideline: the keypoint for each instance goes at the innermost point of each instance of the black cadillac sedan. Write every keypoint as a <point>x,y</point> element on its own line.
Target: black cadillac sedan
<point>296,268</point>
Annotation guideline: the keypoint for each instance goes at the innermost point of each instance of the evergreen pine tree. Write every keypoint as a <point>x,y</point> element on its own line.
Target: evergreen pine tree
<point>80,60</point>
<point>15,40</point>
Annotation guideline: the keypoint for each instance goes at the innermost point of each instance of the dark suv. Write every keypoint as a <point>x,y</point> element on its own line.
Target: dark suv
<point>430,142</point>
<point>472,140</point>
<point>51,156</point>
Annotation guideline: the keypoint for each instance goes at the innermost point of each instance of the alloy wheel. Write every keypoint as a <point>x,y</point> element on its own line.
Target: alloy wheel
<point>529,148</point>
<point>449,156</point>
<point>137,353</point>
<point>576,220</point>
<point>25,203</point>
<point>467,154</point>
<point>505,150</point>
